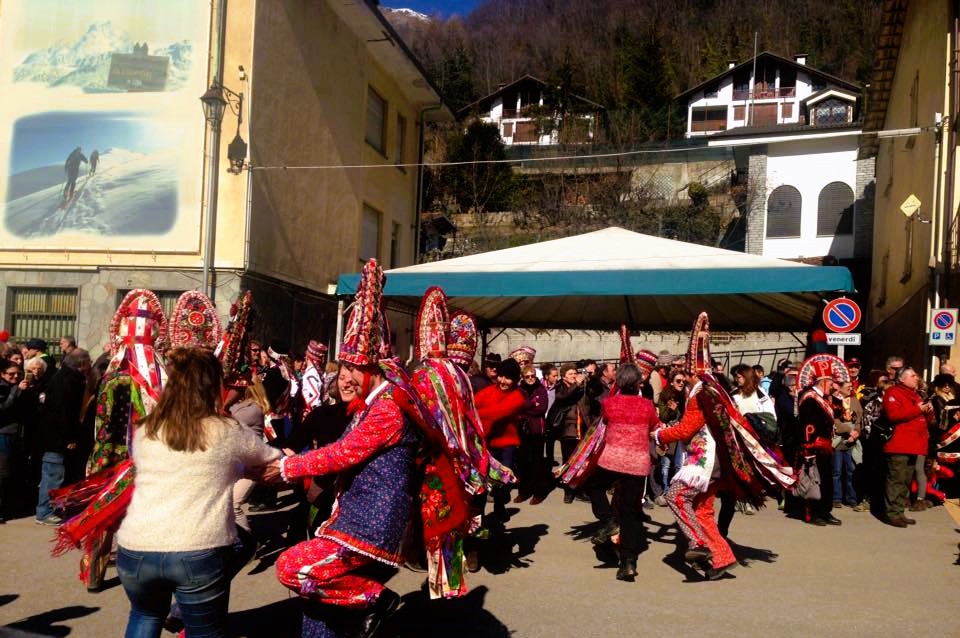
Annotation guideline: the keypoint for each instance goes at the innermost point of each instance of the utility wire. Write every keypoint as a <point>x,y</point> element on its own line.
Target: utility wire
<point>652,151</point>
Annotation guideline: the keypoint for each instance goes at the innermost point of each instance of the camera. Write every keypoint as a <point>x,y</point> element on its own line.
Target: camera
<point>29,377</point>
<point>581,370</point>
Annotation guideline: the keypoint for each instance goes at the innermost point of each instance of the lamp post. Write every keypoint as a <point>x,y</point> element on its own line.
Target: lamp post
<point>215,102</point>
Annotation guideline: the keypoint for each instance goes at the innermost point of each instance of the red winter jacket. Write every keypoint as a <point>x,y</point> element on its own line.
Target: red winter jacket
<point>499,413</point>
<point>901,406</point>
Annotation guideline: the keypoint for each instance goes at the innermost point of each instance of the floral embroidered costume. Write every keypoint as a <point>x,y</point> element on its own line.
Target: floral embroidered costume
<point>374,460</point>
<point>722,451</point>
<point>458,464</point>
<point>128,391</point>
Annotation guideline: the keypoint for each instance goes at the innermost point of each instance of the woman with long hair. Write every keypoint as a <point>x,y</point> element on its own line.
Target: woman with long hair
<point>179,529</point>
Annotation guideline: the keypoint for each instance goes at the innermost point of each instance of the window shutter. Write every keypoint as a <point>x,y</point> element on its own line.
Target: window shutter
<point>835,210</point>
<point>783,212</point>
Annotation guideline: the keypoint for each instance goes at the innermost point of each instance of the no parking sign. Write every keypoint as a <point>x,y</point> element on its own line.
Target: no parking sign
<point>841,315</point>
<point>943,326</point>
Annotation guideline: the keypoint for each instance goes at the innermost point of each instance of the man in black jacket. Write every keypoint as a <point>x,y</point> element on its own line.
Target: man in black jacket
<point>59,424</point>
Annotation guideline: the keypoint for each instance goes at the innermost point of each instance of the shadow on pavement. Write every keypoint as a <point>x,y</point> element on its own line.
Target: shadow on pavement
<point>6,599</point>
<point>497,553</point>
<point>280,618</point>
<point>420,617</point>
<point>747,555</point>
<point>46,623</point>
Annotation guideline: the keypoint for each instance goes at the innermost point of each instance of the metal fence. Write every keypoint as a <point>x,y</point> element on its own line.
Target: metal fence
<point>43,313</point>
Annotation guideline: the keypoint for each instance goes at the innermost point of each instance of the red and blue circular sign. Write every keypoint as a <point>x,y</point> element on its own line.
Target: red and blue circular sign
<point>943,320</point>
<point>841,315</point>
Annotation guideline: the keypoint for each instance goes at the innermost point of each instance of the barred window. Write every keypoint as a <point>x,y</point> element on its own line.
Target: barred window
<point>835,210</point>
<point>783,212</point>
<point>43,313</point>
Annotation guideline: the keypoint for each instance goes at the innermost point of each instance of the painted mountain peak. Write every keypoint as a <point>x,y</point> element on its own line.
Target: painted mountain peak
<point>85,63</point>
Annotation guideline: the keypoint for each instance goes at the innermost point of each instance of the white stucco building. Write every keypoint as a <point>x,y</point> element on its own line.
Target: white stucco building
<point>795,134</point>
<point>527,111</point>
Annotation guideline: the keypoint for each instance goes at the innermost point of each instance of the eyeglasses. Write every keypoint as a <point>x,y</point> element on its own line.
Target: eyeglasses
<point>529,376</point>
<point>13,374</point>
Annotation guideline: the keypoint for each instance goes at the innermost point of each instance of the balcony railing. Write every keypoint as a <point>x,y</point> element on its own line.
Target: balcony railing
<point>708,125</point>
<point>765,93</point>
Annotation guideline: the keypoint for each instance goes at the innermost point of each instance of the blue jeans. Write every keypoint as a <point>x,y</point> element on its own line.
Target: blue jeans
<point>843,469</point>
<point>199,580</point>
<point>51,477</point>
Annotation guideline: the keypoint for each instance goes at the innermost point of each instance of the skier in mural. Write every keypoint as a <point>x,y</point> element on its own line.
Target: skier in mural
<point>72,169</point>
<point>94,160</point>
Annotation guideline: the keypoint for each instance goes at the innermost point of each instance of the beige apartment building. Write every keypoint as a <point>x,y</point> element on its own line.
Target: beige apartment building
<point>105,158</point>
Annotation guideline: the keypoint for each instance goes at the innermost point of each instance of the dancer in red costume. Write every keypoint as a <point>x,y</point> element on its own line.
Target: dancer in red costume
<point>374,461</point>
<point>723,453</point>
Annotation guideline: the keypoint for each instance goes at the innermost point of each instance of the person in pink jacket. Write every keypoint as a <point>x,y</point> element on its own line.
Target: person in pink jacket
<point>908,413</point>
<point>625,458</point>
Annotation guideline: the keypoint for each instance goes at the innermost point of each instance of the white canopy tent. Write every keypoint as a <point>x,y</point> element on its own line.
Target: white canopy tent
<point>602,279</point>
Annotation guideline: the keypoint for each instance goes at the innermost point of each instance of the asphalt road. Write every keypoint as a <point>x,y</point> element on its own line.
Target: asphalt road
<point>544,579</point>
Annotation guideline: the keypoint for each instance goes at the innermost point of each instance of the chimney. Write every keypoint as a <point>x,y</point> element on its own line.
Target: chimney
<point>731,64</point>
<point>800,58</point>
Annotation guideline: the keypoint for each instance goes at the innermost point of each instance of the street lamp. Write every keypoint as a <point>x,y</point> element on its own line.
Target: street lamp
<point>215,102</point>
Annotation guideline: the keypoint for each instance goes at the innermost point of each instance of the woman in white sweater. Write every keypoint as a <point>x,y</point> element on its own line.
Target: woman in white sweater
<point>179,528</point>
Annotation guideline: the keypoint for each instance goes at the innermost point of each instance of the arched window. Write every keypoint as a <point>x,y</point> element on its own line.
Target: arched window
<point>783,212</point>
<point>835,210</point>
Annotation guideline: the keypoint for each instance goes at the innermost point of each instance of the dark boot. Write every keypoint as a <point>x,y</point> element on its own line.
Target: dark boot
<point>610,528</point>
<point>628,569</point>
<point>385,605</point>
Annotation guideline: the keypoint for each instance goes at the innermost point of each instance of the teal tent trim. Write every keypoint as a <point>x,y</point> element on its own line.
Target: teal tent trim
<point>716,281</point>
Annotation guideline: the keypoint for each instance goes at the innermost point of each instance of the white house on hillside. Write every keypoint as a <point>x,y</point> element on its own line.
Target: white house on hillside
<point>520,110</point>
<point>768,91</point>
<point>795,133</point>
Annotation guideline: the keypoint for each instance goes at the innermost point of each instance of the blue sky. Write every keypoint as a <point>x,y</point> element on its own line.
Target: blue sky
<point>445,8</point>
<point>47,138</point>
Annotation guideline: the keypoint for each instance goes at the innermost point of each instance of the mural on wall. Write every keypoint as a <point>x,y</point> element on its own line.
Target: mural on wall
<point>101,130</point>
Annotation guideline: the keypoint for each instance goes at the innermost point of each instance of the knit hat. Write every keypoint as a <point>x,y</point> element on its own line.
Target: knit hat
<point>4,336</point>
<point>492,360</point>
<point>646,361</point>
<point>523,353</point>
<point>664,358</point>
<point>194,322</point>
<point>462,338</point>
<point>510,369</point>
<point>37,344</point>
<point>626,348</point>
<point>430,340</point>
<point>316,353</point>
<point>823,366</point>
<point>853,361</point>
<point>698,357</point>
<point>364,337</point>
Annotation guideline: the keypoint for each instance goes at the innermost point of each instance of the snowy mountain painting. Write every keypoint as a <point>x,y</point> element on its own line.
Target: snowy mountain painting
<point>86,62</point>
<point>132,191</point>
<point>130,194</point>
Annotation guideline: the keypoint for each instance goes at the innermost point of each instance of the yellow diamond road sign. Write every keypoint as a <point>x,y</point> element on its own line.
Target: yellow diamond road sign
<point>910,205</point>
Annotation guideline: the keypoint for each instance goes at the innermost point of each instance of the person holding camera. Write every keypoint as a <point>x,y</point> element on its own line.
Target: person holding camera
<point>569,418</point>
<point>11,387</point>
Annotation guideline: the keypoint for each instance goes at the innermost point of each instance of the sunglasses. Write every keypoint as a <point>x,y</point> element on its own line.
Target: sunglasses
<point>529,376</point>
<point>678,381</point>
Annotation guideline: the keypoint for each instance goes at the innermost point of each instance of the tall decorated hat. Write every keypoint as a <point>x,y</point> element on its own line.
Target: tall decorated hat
<point>194,322</point>
<point>233,346</point>
<point>646,360</point>
<point>626,348</point>
<point>462,338</point>
<point>363,341</point>
<point>431,327</point>
<point>137,329</point>
<point>822,366</point>
<point>698,356</point>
